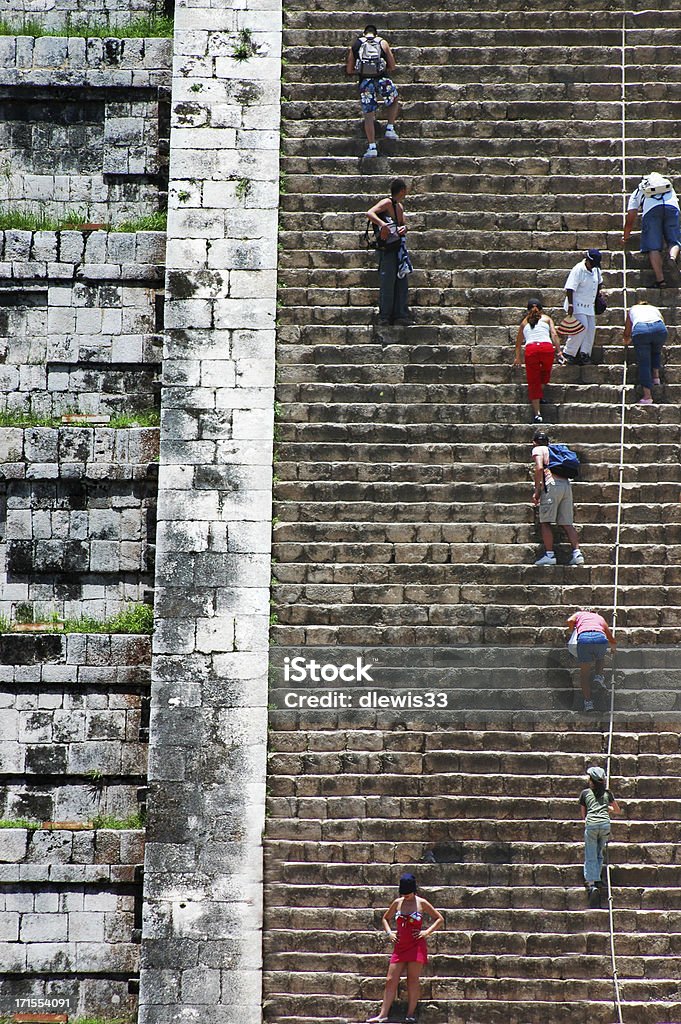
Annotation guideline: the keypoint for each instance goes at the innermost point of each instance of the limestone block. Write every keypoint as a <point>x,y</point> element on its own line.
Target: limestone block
<point>17,244</point>
<point>43,928</point>
<point>50,52</point>
<point>13,844</point>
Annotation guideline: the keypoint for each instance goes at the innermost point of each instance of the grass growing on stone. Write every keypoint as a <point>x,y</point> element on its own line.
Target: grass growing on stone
<point>146,27</point>
<point>146,418</point>
<point>14,219</point>
<point>18,823</point>
<point>245,47</point>
<point>26,419</point>
<point>135,618</point>
<point>152,222</point>
<point>149,418</point>
<point>109,821</point>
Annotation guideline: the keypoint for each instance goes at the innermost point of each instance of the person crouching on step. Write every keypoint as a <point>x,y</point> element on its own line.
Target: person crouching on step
<point>593,637</point>
<point>410,952</point>
<point>597,803</point>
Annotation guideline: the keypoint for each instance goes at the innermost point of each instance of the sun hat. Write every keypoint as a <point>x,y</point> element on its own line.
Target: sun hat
<point>597,774</point>
<point>570,326</point>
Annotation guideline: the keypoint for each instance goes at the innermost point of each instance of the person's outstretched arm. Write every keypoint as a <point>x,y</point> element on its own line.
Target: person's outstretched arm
<point>350,62</point>
<point>387,918</point>
<point>390,62</point>
<point>629,222</point>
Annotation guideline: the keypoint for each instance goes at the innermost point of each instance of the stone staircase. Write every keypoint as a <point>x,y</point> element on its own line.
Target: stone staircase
<point>487,819</point>
<point>404,516</point>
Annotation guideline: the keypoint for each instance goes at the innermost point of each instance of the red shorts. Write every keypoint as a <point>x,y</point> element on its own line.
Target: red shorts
<point>538,363</point>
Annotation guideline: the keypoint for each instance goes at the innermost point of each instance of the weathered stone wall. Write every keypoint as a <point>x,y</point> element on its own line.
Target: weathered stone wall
<point>73,728</point>
<point>79,319</point>
<point>54,13</point>
<point>84,125</point>
<point>70,904</point>
<point>201,951</point>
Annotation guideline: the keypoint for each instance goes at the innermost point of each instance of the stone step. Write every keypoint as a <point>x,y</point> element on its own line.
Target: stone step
<point>295,734</point>
<point>347,875</point>
<point>413,394</point>
<point>649,948</point>
<point>453,965</point>
<point>639,431</point>
<point>495,613</point>
<point>445,471</point>
<point>538,920</point>
<point>474,36</point>
<point>444,770</point>
<point>484,1011</point>
<point>511,459</point>
<point>486,630</point>
<point>468,811</point>
<point>465,17</point>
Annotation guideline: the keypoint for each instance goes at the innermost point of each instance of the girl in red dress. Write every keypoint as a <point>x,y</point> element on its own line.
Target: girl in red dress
<point>410,952</point>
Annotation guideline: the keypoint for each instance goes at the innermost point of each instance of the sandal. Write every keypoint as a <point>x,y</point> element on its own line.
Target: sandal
<point>661,284</point>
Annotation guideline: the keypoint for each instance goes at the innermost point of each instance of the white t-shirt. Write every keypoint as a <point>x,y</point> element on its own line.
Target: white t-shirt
<point>644,313</point>
<point>541,332</point>
<point>584,285</point>
<point>542,450</point>
<point>639,199</point>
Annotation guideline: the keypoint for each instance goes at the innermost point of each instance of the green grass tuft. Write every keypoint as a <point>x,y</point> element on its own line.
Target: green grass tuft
<point>109,821</point>
<point>135,618</point>
<point>150,222</point>
<point>150,26</point>
<point>14,219</point>
<point>148,418</point>
<point>18,823</point>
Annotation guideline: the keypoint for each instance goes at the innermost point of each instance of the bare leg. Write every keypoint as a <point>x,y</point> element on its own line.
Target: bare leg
<point>370,126</point>
<point>674,253</point>
<point>647,393</point>
<point>413,987</point>
<point>395,972</point>
<point>655,258</point>
<point>536,408</point>
<point>393,111</point>
<point>585,681</point>
<point>572,536</point>
<point>547,536</point>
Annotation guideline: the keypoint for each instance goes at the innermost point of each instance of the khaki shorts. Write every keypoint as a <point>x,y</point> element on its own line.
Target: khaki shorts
<point>555,505</point>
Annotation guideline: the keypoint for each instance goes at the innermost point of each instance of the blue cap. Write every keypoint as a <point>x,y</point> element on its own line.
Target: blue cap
<point>407,884</point>
<point>594,255</point>
<point>597,774</point>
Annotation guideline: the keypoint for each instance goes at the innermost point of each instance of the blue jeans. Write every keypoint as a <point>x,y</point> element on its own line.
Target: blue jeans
<point>648,342</point>
<point>392,300</point>
<point>595,841</point>
<point>660,225</point>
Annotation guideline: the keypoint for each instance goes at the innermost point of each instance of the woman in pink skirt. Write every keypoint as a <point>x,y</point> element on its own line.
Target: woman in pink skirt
<point>410,952</point>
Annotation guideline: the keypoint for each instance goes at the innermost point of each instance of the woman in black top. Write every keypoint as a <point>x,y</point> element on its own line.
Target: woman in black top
<point>596,803</point>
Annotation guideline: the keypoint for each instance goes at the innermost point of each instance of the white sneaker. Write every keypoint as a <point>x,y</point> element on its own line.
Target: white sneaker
<point>546,560</point>
<point>371,151</point>
<point>577,559</point>
<point>600,682</point>
<point>390,133</point>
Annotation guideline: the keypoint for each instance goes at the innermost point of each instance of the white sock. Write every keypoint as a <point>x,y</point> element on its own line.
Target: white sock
<point>390,127</point>
<point>549,554</point>
<point>372,145</point>
<point>576,551</point>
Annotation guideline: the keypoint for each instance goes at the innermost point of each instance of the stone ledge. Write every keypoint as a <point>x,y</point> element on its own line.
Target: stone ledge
<point>78,61</point>
<point>98,847</point>
<point>105,453</point>
<point>106,255</point>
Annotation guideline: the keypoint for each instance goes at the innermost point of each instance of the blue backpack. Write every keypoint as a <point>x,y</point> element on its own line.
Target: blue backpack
<point>563,461</point>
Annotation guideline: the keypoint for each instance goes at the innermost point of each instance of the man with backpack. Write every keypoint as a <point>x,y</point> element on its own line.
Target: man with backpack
<point>387,217</point>
<point>370,57</point>
<point>555,466</point>
<point>655,196</point>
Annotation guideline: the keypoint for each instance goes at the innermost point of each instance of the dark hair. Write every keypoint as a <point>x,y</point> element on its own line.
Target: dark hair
<point>407,885</point>
<point>599,786</point>
<point>370,30</point>
<point>540,437</point>
<point>534,302</point>
<point>397,185</point>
